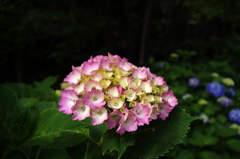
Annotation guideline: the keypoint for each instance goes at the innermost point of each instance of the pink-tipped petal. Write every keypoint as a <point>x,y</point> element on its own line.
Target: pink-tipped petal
<point>74,77</point>
<point>94,98</point>
<point>67,101</point>
<point>80,111</point>
<point>90,67</point>
<point>170,98</point>
<point>114,118</point>
<point>99,115</point>
<point>142,113</point>
<point>127,123</point>
<point>164,109</point>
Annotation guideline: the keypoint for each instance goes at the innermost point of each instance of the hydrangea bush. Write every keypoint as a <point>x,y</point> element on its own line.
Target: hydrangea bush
<point>212,97</point>
<point>107,108</point>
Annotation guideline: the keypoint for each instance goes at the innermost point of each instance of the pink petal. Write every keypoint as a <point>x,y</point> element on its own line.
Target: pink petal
<point>99,115</point>
<point>80,111</point>
<point>114,118</point>
<point>74,77</point>
<point>142,113</point>
<point>67,101</point>
<point>164,109</point>
<point>90,67</point>
<point>170,98</point>
<point>127,123</point>
<point>140,73</point>
<point>94,98</point>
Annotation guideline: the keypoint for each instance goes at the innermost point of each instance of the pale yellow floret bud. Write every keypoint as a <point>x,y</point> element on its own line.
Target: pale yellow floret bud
<point>157,90</point>
<point>107,75</point>
<point>105,83</point>
<point>202,102</point>
<point>132,103</point>
<point>85,78</point>
<point>228,82</point>
<point>214,74</point>
<point>57,92</point>
<point>158,99</point>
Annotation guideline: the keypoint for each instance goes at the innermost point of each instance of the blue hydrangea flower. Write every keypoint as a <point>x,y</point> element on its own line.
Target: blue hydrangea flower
<point>216,89</point>
<point>225,101</point>
<point>231,92</point>
<point>193,82</point>
<point>234,115</point>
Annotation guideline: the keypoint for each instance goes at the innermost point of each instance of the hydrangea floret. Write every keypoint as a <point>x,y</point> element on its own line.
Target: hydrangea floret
<point>110,89</point>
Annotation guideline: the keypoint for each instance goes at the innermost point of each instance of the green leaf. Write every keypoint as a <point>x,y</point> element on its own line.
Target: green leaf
<point>21,89</point>
<point>27,102</point>
<point>67,139</point>
<point>47,82</point>
<point>222,118</point>
<point>234,144</point>
<point>46,104</point>
<point>51,124</point>
<point>159,136</point>
<point>8,109</point>
<point>113,141</point>
<point>22,125</point>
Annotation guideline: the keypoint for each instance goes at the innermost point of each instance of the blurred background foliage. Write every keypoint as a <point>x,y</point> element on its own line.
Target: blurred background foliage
<point>45,37</point>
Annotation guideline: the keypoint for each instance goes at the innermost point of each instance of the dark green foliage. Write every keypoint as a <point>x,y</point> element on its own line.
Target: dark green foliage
<point>213,136</point>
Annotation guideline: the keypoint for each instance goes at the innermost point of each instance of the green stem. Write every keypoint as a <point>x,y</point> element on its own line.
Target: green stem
<point>86,153</point>
<point>38,152</point>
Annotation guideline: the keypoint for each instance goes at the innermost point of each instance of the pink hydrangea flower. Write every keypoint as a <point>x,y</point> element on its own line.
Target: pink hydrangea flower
<point>127,123</point>
<point>141,113</point>
<point>94,98</point>
<point>164,109</point>
<point>110,89</point>
<point>67,101</point>
<point>74,77</point>
<point>170,98</point>
<point>99,115</point>
<point>80,111</point>
<point>114,118</point>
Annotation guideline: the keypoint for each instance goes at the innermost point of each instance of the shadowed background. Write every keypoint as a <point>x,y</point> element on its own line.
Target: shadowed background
<point>46,37</point>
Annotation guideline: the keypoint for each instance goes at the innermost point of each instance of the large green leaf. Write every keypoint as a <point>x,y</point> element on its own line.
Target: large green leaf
<point>8,108</point>
<point>160,136</point>
<point>22,125</point>
<point>50,128</point>
<point>113,141</point>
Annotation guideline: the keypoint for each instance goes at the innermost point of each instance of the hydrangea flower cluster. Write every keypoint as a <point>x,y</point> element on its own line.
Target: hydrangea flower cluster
<point>111,89</point>
<point>234,115</point>
<point>225,101</point>
<point>193,82</point>
<point>216,89</point>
